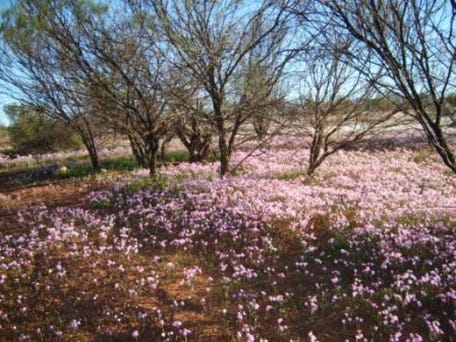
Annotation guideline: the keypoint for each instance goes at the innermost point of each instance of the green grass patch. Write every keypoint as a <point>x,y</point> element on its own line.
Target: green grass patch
<point>290,175</point>
<point>177,156</point>
<point>159,182</point>
<point>123,163</point>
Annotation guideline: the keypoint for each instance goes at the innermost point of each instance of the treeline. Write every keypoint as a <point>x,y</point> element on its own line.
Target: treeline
<point>209,71</point>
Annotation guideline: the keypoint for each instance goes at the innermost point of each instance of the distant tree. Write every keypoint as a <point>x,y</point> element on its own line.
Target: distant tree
<point>194,133</point>
<point>339,102</point>
<point>3,133</point>
<point>190,112</point>
<point>258,91</point>
<point>32,131</point>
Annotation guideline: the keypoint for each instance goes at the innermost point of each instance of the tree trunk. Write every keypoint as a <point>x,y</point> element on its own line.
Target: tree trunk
<point>138,151</point>
<point>193,156</point>
<point>93,155</point>
<point>222,142</point>
<point>437,139</point>
<point>224,155</point>
<point>152,146</point>
<point>261,125</point>
<point>314,153</point>
<point>163,148</point>
<point>89,143</point>
<point>153,165</point>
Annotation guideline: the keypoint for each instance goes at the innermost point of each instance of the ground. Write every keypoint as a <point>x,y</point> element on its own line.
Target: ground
<point>363,250</point>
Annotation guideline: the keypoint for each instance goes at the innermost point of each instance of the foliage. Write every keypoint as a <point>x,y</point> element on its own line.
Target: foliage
<point>451,99</point>
<point>177,156</point>
<point>32,131</point>
<point>3,134</point>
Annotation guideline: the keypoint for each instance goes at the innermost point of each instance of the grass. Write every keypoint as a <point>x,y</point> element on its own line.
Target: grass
<point>422,156</point>
<point>157,183</point>
<point>81,167</point>
<point>177,156</point>
<point>25,175</point>
<point>121,163</point>
<point>290,175</point>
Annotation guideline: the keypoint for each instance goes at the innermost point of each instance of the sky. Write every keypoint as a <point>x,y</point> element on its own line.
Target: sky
<point>3,99</point>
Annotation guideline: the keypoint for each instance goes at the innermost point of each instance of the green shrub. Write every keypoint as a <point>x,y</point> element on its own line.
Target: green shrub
<point>32,131</point>
<point>177,156</point>
<point>158,183</point>
<point>3,136</point>
<point>3,132</point>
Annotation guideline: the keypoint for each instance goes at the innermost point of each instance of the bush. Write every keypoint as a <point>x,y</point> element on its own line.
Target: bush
<point>451,99</point>
<point>3,135</point>
<point>32,131</point>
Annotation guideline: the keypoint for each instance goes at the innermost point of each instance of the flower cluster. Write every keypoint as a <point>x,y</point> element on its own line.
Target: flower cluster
<point>366,247</point>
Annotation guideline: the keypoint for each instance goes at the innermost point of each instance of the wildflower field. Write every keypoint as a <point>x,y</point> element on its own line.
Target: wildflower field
<point>365,250</point>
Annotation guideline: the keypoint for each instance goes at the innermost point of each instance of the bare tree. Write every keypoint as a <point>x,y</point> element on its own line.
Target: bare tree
<point>112,63</point>
<point>128,81</point>
<point>210,40</point>
<point>413,41</point>
<point>39,74</point>
<point>337,104</point>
